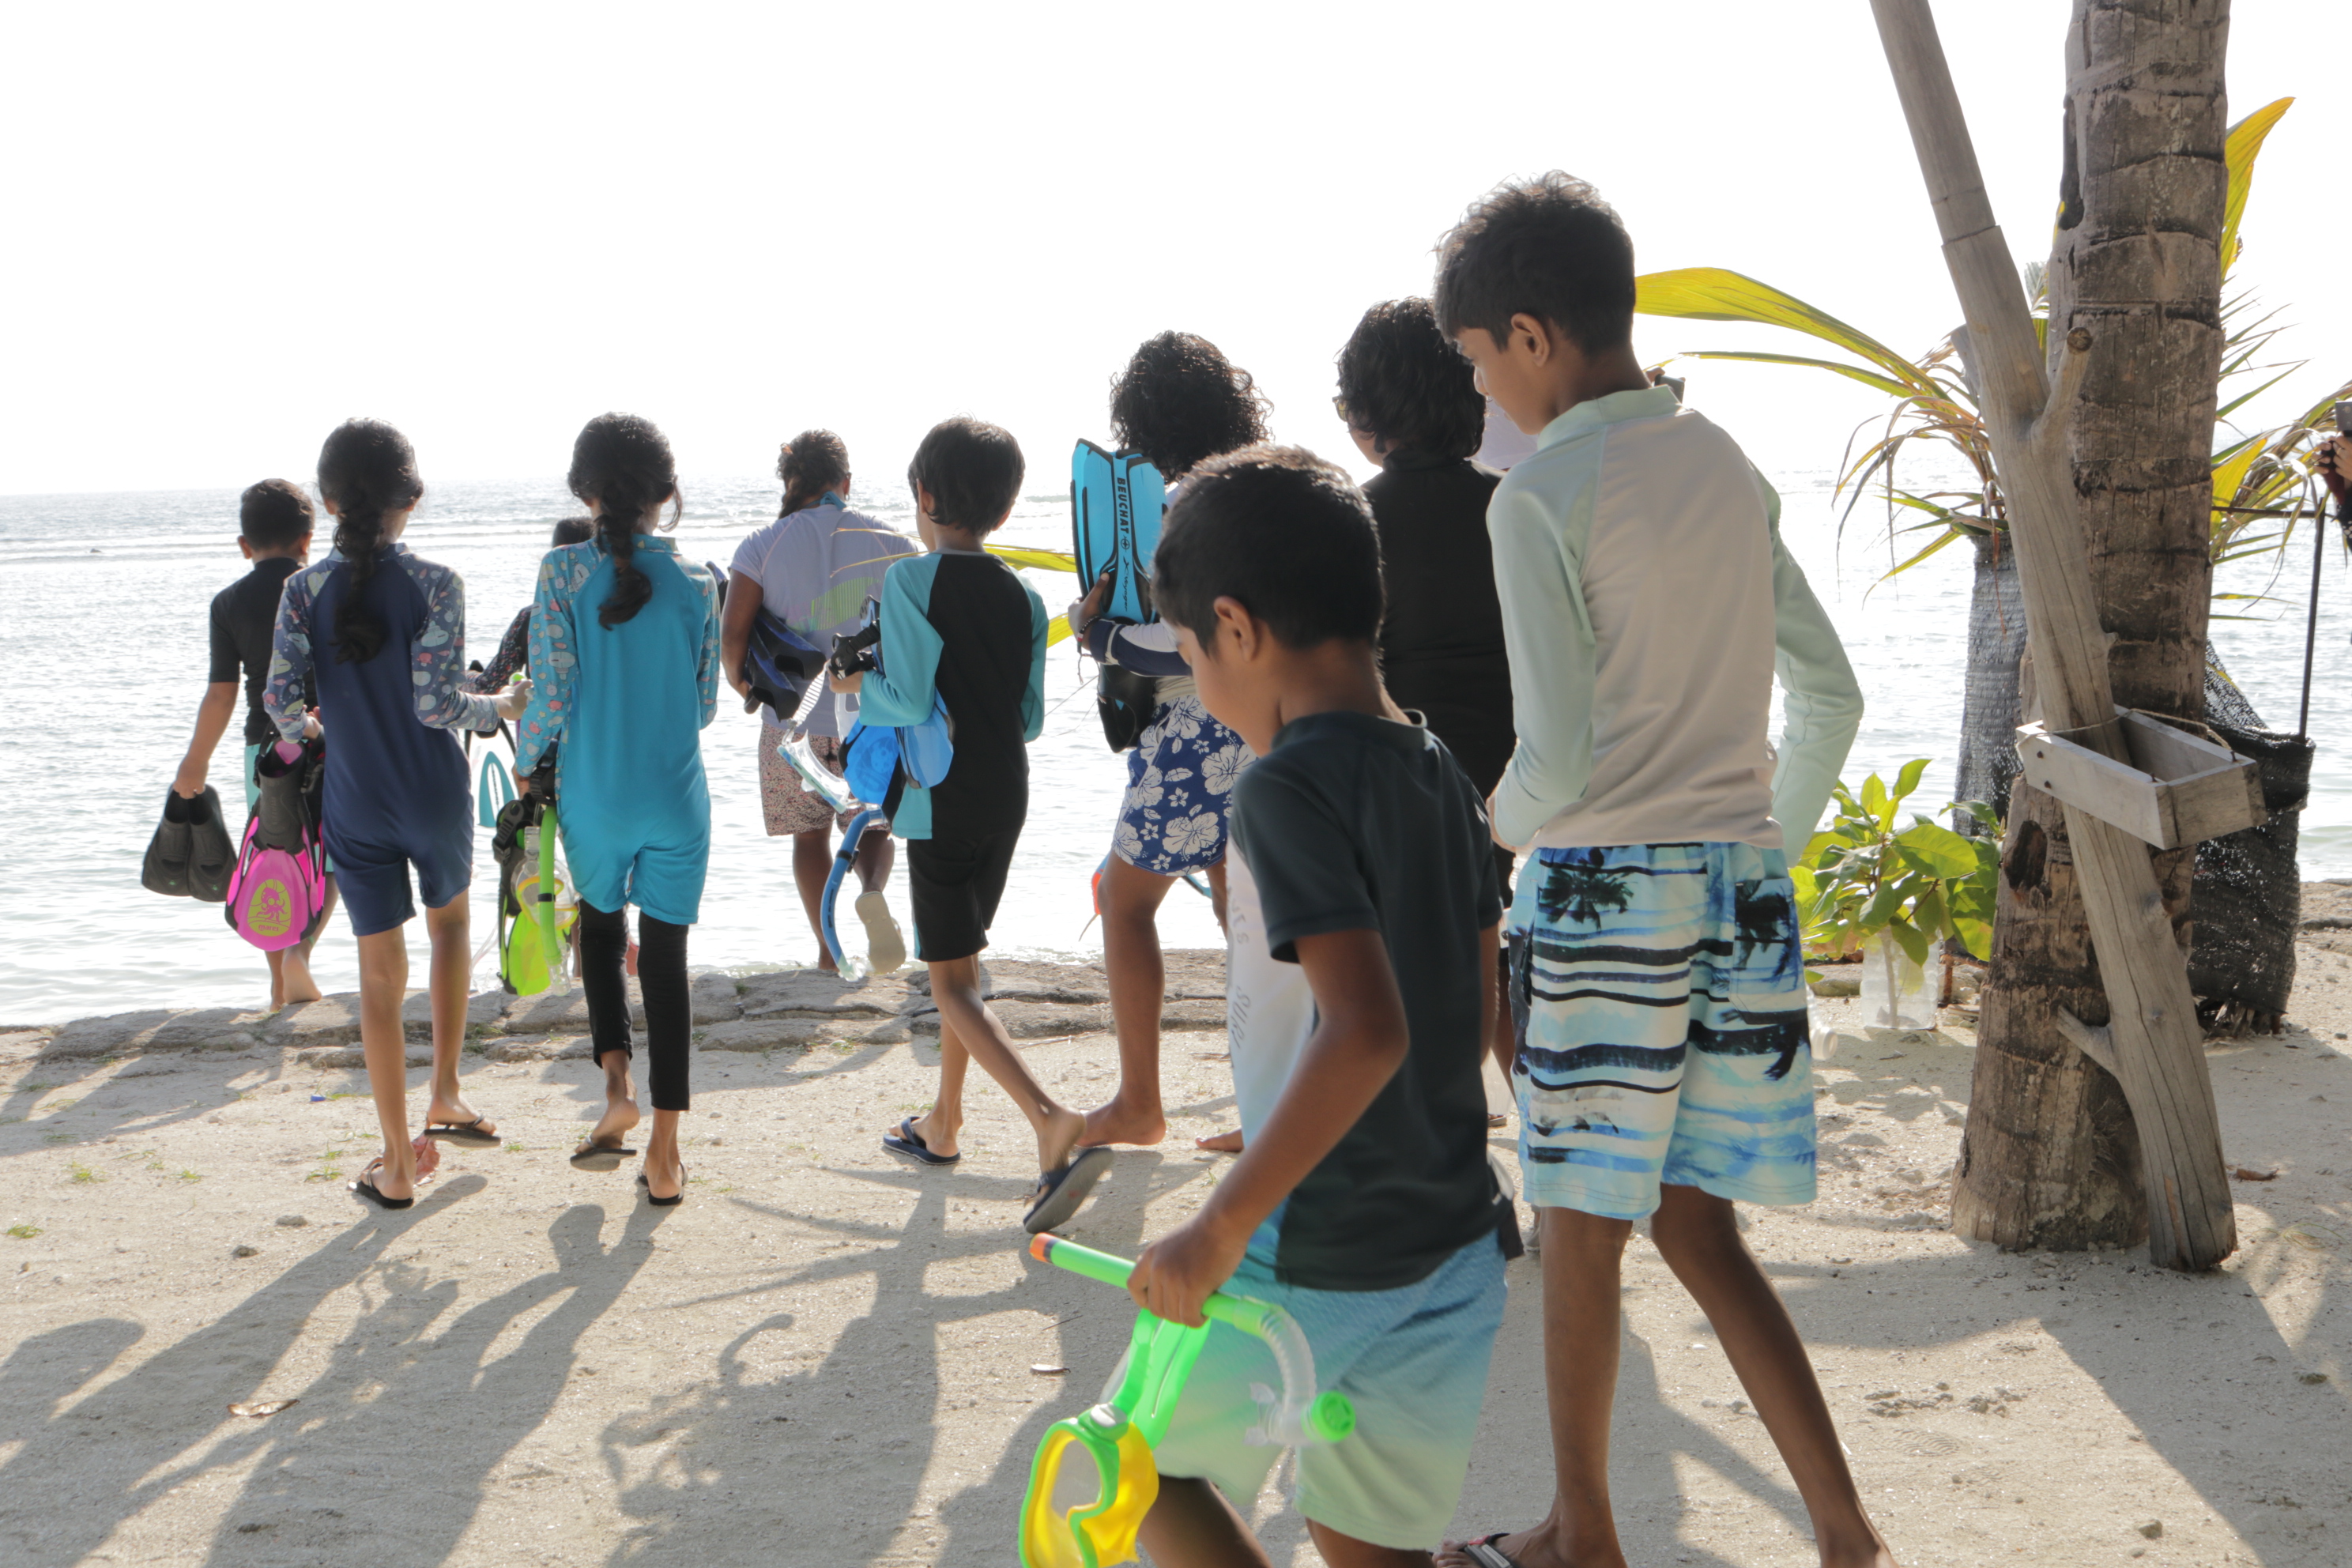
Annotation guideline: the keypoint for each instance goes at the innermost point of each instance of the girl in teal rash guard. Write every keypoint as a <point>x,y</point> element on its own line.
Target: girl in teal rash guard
<point>625,666</point>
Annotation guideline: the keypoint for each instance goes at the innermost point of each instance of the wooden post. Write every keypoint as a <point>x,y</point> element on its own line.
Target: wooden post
<point>2153,1042</point>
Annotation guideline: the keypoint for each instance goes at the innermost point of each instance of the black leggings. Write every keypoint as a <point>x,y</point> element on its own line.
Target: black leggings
<point>661,977</point>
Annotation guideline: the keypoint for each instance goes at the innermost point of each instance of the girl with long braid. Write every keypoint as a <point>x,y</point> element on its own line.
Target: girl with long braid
<point>625,666</point>
<point>373,639</point>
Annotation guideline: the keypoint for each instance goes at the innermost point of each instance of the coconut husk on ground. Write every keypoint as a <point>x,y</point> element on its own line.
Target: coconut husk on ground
<point>827,1357</point>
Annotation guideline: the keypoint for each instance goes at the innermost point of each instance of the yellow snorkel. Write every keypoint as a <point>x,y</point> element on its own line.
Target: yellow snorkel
<point>1119,1435</point>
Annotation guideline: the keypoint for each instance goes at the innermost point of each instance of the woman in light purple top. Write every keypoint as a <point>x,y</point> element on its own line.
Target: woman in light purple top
<point>813,569</point>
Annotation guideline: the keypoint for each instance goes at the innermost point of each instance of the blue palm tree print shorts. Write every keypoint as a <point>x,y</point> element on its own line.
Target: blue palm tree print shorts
<point>1658,992</point>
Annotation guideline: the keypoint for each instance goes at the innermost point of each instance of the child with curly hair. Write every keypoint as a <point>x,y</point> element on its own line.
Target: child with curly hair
<point>1179,403</point>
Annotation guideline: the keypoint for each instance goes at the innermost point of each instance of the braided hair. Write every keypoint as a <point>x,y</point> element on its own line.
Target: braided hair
<point>810,464</point>
<point>623,463</point>
<point>368,470</point>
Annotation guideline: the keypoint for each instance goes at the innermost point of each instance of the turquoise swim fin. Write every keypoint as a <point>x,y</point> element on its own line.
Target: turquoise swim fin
<point>1116,502</point>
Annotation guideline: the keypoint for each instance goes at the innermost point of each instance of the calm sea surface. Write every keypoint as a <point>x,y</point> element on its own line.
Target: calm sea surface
<point>102,629</point>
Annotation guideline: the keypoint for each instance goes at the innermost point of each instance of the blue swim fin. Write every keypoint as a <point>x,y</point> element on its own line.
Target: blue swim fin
<point>1115,501</point>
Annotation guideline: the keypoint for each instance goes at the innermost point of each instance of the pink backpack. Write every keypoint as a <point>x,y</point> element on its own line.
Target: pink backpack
<point>278,893</point>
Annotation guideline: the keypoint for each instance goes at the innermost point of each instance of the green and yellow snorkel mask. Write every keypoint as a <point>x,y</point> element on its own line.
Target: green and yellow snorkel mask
<point>1120,1435</point>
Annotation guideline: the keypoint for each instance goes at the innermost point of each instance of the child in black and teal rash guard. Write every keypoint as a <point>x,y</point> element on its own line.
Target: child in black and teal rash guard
<point>961,630</point>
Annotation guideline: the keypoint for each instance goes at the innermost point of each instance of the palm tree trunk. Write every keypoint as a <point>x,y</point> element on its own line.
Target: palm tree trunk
<point>2051,1156</point>
<point>1988,716</point>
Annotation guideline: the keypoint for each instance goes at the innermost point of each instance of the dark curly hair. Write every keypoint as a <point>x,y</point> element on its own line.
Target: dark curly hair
<point>274,515</point>
<point>1284,532</point>
<point>1547,247</point>
<point>810,464</point>
<point>1180,402</point>
<point>368,470</point>
<point>623,464</point>
<point>1405,385</point>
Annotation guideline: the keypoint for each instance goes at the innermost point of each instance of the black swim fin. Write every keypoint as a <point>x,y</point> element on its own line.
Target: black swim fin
<point>165,869</point>
<point>212,858</point>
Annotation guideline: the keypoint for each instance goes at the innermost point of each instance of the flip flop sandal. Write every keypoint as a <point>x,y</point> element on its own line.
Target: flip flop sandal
<point>674,1199</point>
<point>468,1132</point>
<point>1487,1554</point>
<point>910,1143</point>
<point>367,1189</point>
<point>1059,1193</point>
<point>595,1156</point>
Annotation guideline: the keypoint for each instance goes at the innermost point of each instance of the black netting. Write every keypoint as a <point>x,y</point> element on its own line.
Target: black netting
<point>2248,897</point>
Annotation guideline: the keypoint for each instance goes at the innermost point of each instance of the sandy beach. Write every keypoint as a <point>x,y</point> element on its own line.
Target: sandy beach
<point>825,1357</point>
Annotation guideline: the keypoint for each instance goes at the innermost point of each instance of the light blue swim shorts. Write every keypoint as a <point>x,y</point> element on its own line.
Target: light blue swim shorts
<point>1659,989</point>
<point>1413,1360</point>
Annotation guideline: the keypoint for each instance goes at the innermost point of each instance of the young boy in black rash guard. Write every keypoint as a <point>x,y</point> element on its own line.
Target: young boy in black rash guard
<point>961,630</point>
<point>274,525</point>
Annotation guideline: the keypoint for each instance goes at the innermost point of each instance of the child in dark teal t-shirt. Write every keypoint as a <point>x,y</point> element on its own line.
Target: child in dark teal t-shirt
<point>1362,1203</point>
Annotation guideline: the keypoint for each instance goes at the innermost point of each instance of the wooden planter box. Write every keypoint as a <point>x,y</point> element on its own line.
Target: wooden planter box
<point>2178,788</point>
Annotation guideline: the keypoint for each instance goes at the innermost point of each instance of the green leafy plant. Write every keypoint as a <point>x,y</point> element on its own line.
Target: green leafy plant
<point>24,1232</point>
<point>1867,876</point>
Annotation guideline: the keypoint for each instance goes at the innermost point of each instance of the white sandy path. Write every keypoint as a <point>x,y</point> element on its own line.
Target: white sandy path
<point>824,1357</point>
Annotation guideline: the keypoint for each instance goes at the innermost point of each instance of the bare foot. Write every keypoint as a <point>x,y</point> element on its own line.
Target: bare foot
<point>1220,1143</point>
<point>1119,1122</point>
<point>298,985</point>
<point>936,1136</point>
<point>613,1128</point>
<point>1059,1138</point>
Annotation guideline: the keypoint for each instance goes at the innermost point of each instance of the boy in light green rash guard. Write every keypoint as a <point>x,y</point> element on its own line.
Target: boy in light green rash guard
<point>1665,1069</point>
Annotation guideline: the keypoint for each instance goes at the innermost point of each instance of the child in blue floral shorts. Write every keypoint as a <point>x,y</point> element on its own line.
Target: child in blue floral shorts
<point>1180,401</point>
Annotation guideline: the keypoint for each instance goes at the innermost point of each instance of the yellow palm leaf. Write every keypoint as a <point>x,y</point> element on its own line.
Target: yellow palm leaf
<point>1056,629</point>
<point>2245,140</point>
<point>1868,378</point>
<point>1719,294</point>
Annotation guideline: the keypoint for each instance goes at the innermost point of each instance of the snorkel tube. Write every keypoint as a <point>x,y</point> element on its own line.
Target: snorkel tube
<point>545,907</point>
<point>851,837</point>
<point>1120,1433</point>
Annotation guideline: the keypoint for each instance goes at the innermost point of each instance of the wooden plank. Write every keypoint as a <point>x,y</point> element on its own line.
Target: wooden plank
<point>2079,777</point>
<point>2177,789</point>
<point>2214,804</point>
<point>2153,1037</point>
<point>2215,792</point>
<point>2167,753</point>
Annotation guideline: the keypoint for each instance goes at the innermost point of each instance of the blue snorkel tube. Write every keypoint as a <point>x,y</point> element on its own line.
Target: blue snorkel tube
<point>851,837</point>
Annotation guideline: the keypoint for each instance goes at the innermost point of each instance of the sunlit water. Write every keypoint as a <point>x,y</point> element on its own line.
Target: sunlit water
<point>103,628</point>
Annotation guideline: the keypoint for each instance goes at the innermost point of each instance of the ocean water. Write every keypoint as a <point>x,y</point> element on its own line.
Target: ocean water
<point>102,629</point>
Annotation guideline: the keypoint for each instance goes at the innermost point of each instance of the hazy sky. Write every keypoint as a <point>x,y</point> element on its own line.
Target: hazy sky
<point>233,225</point>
